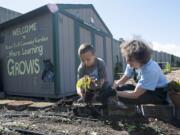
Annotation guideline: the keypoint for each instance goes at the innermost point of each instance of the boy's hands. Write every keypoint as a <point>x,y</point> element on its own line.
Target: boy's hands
<point>96,84</point>
<point>87,87</point>
<point>80,93</point>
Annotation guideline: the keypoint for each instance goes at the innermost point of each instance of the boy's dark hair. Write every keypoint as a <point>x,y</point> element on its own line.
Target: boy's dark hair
<point>85,47</point>
<point>136,49</point>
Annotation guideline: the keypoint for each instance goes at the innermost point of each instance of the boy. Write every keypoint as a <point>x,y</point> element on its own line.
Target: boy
<point>91,66</point>
<point>151,85</point>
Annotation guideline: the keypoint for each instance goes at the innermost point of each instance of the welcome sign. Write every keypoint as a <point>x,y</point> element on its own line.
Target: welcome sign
<point>25,48</point>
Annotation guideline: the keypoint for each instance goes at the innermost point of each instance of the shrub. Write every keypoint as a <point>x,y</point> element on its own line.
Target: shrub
<point>167,68</point>
<point>174,86</point>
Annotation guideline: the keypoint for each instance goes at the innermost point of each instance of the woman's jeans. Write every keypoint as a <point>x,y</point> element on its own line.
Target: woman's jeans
<point>149,97</point>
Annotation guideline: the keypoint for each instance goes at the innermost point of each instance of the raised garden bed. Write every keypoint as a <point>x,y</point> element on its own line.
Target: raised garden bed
<point>163,112</point>
<point>174,92</point>
<point>177,114</point>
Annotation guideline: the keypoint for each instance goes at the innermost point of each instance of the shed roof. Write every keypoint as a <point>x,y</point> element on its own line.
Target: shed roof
<point>83,6</point>
<point>7,14</point>
<point>52,8</point>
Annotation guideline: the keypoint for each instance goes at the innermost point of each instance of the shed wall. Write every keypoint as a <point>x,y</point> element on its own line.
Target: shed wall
<point>89,16</point>
<point>67,55</point>
<point>109,58</point>
<point>99,46</point>
<point>23,54</point>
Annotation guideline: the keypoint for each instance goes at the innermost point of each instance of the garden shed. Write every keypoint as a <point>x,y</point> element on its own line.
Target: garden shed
<point>7,14</point>
<point>38,50</point>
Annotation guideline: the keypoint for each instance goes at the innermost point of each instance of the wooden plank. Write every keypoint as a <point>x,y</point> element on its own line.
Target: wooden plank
<point>177,113</point>
<point>19,105</point>
<point>164,112</point>
<point>130,111</point>
<point>41,105</point>
<point>76,104</point>
<point>5,102</point>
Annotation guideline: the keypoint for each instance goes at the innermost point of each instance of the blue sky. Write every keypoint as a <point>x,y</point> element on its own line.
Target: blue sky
<point>157,21</point>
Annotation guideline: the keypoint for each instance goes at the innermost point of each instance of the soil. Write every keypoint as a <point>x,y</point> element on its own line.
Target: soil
<point>61,119</point>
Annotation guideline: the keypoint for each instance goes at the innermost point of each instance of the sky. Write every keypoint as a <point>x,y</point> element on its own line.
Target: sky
<point>156,21</point>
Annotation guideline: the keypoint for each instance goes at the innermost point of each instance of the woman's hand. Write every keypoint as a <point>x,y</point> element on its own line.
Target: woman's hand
<point>132,94</point>
<point>115,85</point>
<point>119,82</point>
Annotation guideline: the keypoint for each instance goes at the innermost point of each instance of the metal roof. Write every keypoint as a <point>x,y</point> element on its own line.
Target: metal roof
<point>7,14</point>
<point>51,8</point>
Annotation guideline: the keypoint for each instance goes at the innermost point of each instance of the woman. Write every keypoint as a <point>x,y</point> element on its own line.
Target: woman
<point>151,82</point>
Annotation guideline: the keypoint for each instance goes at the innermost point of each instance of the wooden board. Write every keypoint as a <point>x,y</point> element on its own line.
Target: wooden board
<point>5,101</point>
<point>177,113</point>
<point>40,105</point>
<point>164,112</point>
<point>130,111</point>
<point>75,104</point>
<point>19,105</point>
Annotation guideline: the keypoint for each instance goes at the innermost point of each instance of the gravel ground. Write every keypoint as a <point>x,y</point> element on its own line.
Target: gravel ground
<point>174,75</point>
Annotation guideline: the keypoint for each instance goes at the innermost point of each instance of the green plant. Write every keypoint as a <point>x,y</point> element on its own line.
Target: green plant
<point>167,68</point>
<point>88,87</point>
<point>84,83</point>
<point>130,127</point>
<point>174,86</point>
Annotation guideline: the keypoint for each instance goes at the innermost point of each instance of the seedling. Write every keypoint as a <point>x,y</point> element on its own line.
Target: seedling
<point>88,87</point>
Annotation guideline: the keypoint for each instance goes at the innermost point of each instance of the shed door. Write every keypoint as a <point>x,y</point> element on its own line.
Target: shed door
<point>67,53</point>
<point>85,36</point>
<point>99,46</point>
<point>101,43</point>
<point>82,35</point>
